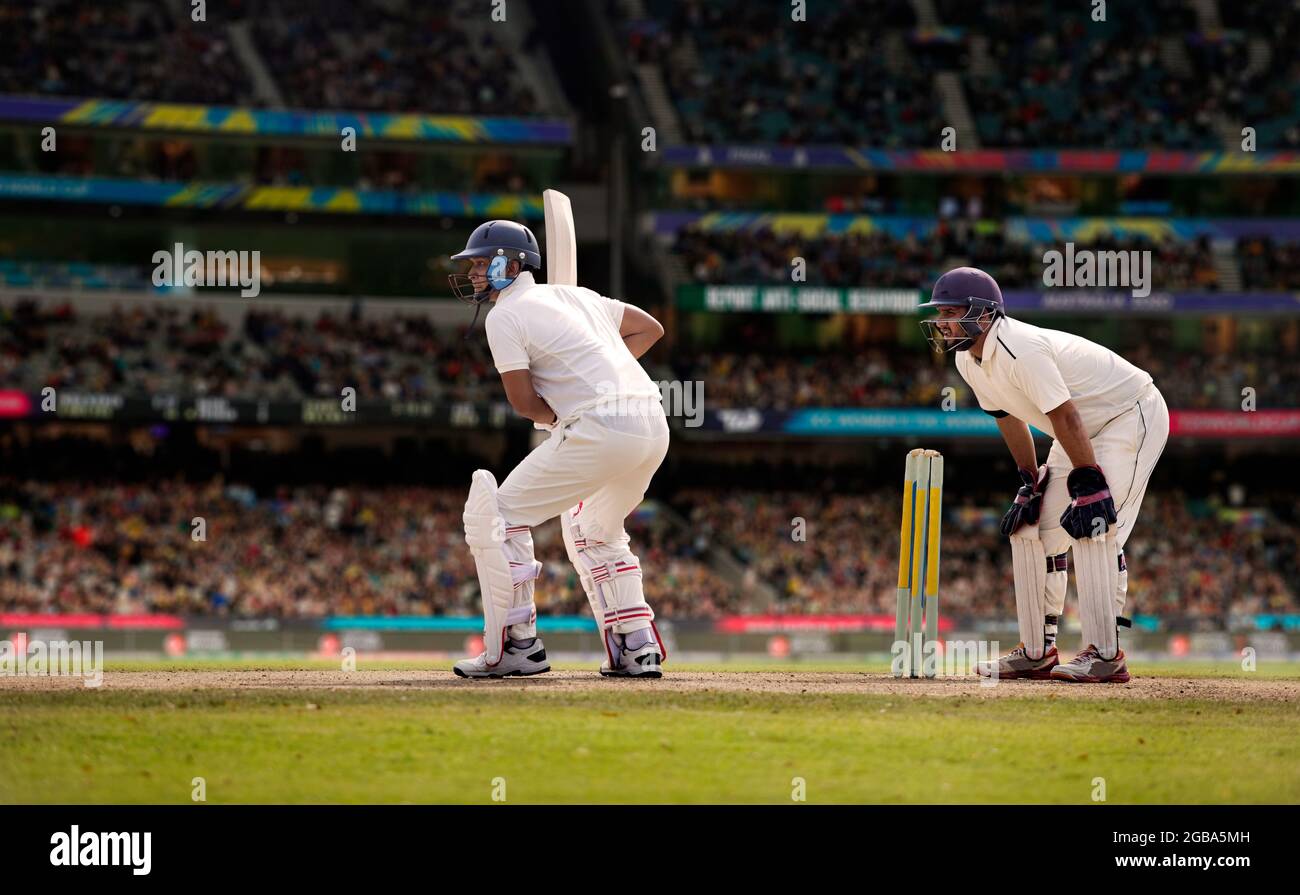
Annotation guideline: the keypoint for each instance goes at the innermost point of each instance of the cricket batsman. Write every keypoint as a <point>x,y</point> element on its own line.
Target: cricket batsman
<point>568,360</point>
<point>1109,425</point>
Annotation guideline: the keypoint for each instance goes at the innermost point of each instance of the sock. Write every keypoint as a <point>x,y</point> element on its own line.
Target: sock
<point>1049,632</point>
<point>522,644</point>
<point>638,639</point>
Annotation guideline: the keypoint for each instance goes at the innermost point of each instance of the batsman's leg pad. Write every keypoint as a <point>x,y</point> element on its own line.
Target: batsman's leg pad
<point>611,577</point>
<point>506,586</point>
<point>1096,576</point>
<point>524,571</point>
<point>572,535</point>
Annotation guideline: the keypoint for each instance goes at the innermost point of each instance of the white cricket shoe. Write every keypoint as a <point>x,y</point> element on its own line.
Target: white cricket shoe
<point>643,661</point>
<point>516,661</point>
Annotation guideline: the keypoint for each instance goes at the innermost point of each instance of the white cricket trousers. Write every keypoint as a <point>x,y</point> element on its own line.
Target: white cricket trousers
<point>1126,449</point>
<point>592,473</point>
<point>604,462</point>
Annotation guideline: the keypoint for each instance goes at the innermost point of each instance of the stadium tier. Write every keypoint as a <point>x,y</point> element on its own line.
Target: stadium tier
<point>781,198</point>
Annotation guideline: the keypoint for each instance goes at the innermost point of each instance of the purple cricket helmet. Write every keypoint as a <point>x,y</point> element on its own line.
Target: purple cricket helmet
<point>963,287</point>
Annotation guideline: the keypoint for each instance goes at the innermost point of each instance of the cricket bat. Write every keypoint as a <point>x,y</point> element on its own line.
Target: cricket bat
<point>561,243</point>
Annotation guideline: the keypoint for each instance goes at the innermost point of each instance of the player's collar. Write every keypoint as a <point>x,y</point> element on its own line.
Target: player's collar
<point>991,342</point>
<point>522,282</point>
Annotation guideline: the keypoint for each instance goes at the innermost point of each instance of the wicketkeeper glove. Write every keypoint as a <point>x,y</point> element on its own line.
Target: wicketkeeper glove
<point>1090,502</point>
<point>1029,500</point>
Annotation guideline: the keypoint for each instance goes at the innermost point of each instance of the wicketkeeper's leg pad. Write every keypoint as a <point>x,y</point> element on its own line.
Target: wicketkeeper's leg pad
<point>1029,570</point>
<point>1096,577</point>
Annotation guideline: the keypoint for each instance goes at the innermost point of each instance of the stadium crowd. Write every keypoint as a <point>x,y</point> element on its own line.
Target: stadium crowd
<point>272,355</point>
<point>337,54</point>
<point>130,50</point>
<point>911,378</point>
<point>869,378</point>
<point>300,552</point>
<point>321,54</point>
<point>1038,75</point>
<point>879,259</point>
<point>1051,62</point>
<point>856,259</point>
<point>175,159</point>
<point>1268,264</point>
<point>829,79</point>
<point>1045,76</point>
<point>312,551</point>
<point>844,558</point>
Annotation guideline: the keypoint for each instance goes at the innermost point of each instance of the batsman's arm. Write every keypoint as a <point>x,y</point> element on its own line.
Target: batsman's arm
<point>1069,430</point>
<point>524,398</point>
<point>1015,432</point>
<point>639,330</point>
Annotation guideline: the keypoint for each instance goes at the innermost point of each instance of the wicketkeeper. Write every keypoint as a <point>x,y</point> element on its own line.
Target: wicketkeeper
<point>1109,425</point>
<point>568,360</point>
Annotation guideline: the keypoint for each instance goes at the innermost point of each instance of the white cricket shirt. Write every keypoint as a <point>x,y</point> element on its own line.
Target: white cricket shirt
<point>1027,371</point>
<point>567,336</point>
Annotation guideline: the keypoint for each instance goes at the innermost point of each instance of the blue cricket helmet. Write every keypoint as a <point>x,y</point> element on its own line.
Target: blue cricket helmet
<point>515,241</point>
<point>504,240</point>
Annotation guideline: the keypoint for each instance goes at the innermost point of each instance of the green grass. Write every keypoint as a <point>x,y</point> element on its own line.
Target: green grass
<point>623,744</point>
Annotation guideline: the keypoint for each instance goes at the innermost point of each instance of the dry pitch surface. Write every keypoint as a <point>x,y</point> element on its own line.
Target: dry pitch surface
<point>1241,688</point>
